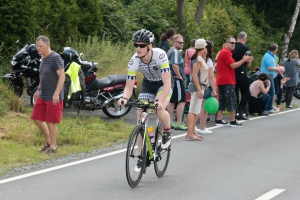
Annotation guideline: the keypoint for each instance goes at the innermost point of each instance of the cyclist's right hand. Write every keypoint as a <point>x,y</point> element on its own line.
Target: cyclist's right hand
<point>122,102</point>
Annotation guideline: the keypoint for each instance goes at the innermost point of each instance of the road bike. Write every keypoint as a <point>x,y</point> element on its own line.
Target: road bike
<point>140,150</point>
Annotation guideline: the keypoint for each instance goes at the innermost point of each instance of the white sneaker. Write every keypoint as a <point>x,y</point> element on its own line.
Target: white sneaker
<point>276,109</point>
<point>271,111</point>
<point>197,129</point>
<point>205,131</point>
<point>138,167</point>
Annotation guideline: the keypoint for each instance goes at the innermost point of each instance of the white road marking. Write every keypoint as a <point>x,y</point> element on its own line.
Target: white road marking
<point>61,166</point>
<point>270,195</point>
<point>106,155</point>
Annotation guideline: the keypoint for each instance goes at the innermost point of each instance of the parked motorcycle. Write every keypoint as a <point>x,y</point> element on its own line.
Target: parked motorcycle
<point>101,93</point>
<point>297,90</point>
<point>25,64</point>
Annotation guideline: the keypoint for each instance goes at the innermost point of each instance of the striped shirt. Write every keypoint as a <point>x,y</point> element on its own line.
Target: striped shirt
<point>49,77</point>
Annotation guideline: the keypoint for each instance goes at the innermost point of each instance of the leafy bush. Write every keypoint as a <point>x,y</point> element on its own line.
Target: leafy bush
<point>9,101</point>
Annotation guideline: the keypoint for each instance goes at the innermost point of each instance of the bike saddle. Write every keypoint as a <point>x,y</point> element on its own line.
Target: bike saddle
<point>108,81</point>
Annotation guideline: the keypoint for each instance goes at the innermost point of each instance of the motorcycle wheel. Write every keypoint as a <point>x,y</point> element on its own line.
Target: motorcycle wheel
<point>112,110</point>
<point>18,90</point>
<point>32,100</point>
<point>297,92</point>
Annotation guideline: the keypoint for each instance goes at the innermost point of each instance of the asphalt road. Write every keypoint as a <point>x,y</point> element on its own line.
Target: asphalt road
<point>258,161</point>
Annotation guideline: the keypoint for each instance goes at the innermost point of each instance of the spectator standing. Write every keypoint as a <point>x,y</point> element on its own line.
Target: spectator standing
<point>291,65</point>
<point>257,102</point>
<point>47,110</point>
<point>226,82</point>
<point>242,82</point>
<point>279,81</point>
<point>177,70</point>
<point>211,88</point>
<point>268,65</point>
<point>199,80</point>
<point>165,39</point>
<point>187,57</point>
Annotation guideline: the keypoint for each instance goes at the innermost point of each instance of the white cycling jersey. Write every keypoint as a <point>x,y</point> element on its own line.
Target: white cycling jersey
<point>152,71</point>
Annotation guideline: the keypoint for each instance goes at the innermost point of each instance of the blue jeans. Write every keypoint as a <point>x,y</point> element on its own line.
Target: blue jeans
<point>265,99</point>
<point>187,78</point>
<point>271,93</point>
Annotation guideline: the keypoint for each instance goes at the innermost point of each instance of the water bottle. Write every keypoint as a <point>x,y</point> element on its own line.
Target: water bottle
<point>151,134</point>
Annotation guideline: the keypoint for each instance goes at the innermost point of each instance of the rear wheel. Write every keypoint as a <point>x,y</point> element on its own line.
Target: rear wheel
<point>163,155</point>
<point>18,89</point>
<point>113,110</point>
<point>135,155</point>
<point>32,99</point>
<point>297,92</point>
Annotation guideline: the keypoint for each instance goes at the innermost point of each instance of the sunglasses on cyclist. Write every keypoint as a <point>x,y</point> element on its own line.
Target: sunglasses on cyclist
<point>233,43</point>
<point>140,45</point>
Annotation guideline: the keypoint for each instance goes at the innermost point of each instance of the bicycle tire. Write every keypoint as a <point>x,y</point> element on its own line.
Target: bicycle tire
<point>133,154</point>
<point>297,91</point>
<point>163,155</point>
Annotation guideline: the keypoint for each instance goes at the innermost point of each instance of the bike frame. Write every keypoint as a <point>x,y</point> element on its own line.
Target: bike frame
<point>144,122</point>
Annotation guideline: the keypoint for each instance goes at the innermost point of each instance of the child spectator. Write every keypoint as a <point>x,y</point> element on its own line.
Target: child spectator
<point>280,79</point>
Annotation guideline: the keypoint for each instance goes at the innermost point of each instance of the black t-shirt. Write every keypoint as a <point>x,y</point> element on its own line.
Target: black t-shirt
<point>239,51</point>
<point>164,45</point>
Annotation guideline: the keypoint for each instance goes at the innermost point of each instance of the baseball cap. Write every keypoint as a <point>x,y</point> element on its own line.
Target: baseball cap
<point>200,44</point>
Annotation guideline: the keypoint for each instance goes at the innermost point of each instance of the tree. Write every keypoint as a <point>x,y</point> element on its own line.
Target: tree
<point>289,33</point>
<point>181,14</point>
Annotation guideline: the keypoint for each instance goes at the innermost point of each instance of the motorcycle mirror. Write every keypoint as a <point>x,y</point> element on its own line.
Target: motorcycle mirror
<point>81,55</point>
<point>17,43</point>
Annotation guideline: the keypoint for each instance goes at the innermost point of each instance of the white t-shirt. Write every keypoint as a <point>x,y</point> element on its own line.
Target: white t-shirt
<point>209,64</point>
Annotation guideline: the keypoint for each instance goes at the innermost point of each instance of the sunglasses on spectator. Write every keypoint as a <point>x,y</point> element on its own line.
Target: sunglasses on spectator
<point>179,42</point>
<point>233,43</point>
<point>140,45</point>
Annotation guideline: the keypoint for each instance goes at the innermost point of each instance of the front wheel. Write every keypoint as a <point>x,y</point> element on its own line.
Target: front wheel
<point>113,110</point>
<point>32,99</point>
<point>17,88</point>
<point>163,155</point>
<point>135,156</point>
<point>297,92</point>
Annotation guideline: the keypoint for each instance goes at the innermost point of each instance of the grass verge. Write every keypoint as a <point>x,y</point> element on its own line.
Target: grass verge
<point>20,138</point>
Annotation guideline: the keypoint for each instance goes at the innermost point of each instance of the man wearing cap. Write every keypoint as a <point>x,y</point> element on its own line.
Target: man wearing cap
<point>226,82</point>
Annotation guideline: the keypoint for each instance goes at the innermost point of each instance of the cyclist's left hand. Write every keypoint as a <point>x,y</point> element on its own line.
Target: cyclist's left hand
<point>159,105</point>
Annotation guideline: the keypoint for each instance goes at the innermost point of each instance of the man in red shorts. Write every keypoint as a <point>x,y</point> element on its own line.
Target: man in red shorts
<point>48,106</point>
<point>226,82</point>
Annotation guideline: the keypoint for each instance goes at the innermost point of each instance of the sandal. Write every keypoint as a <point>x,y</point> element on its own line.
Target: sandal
<point>199,136</point>
<point>192,138</point>
<point>50,151</point>
<point>44,148</point>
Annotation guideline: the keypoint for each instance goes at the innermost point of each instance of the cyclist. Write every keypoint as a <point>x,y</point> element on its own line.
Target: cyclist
<point>157,83</point>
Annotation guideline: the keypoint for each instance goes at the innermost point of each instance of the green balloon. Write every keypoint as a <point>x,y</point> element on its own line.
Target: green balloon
<point>211,105</point>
